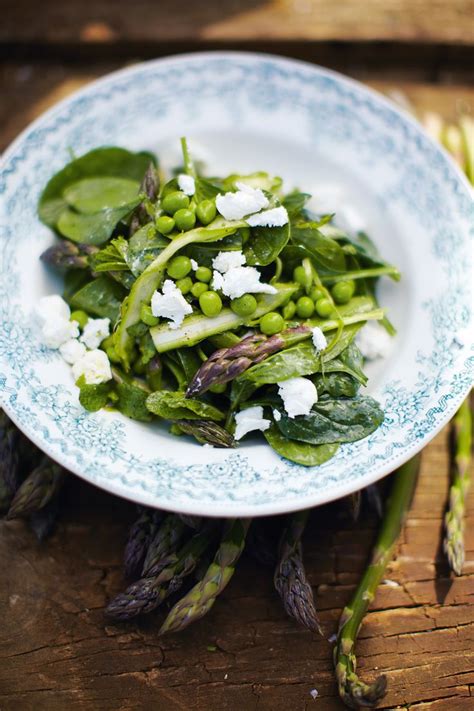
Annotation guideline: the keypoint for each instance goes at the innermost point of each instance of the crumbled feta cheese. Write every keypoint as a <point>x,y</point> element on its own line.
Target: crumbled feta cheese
<point>72,350</point>
<point>276,217</point>
<point>319,339</point>
<point>276,415</point>
<point>249,420</point>
<point>186,184</point>
<point>57,331</point>
<point>373,341</point>
<point>95,330</point>
<point>170,304</point>
<point>298,395</point>
<point>194,265</point>
<point>228,260</point>
<point>247,200</point>
<point>50,307</point>
<point>94,366</point>
<point>239,281</point>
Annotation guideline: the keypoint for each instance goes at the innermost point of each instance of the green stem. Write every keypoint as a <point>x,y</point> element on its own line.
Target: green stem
<point>352,690</point>
<point>461,480</point>
<point>362,274</point>
<point>188,163</point>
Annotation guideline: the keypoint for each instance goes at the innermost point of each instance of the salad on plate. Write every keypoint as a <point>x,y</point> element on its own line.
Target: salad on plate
<point>222,305</point>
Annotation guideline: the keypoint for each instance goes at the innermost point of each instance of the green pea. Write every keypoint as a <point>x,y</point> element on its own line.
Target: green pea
<point>244,306</point>
<point>289,310</point>
<point>81,317</point>
<point>165,224</point>
<point>146,315</point>
<point>185,219</point>
<point>204,274</point>
<point>271,323</point>
<point>210,303</point>
<point>206,211</point>
<point>323,307</point>
<point>316,293</point>
<point>185,285</point>
<point>301,276</point>
<point>218,388</point>
<point>343,291</point>
<point>199,288</point>
<point>174,201</point>
<point>179,267</point>
<point>112,354</point>
<point>304,307</point>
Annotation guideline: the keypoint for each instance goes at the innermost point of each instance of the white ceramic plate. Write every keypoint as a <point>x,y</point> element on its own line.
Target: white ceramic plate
<point>248,112</point>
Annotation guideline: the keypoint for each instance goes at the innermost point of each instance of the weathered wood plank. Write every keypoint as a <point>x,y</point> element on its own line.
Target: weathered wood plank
<point>106,22</point>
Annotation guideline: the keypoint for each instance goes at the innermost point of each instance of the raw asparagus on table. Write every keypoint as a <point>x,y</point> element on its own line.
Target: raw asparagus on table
<point>461,480</point>
<point>199,600</point>
<point>290,576</point>
<point>352,690</point>
<point>37,490</point>
<point>139,537</point>
<point>163,545</point>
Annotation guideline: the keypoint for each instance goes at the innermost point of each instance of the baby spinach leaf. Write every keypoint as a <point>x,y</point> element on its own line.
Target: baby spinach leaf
<point>93,397</point>
<point>132,401</point>
<point>309,455</point>
<point>353,362</point>
<point>93,229</point>
<point>302,359</point>
<point>265,244</point>
<point>205,253</point>
<point>324,250</point>
<point>91,195</point>
<point>101,297</point>
<point>241,389</point>
<point>337,384</point>
<point>205,189</point>
<point>260,180</point>
<point>189,361</point>
<point>295,202</point>
<point>170,362</point>
<point>175,406</point>
<point>334,421</point>
<point>108,161</point>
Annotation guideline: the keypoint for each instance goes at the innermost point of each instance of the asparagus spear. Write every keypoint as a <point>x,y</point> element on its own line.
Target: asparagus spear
<point>139,538</point>
<point>147,593</point>
<point>207,432</point>
<point>9,462</point>
<point>461,480</point>
<point>290,576</point>
<point>199,600</point>
<point>149,187</point>
<point>43,522</point>
<point>67,255</point>
<point>354,692</point>
<point>37,490</point>
<point>162,545</point>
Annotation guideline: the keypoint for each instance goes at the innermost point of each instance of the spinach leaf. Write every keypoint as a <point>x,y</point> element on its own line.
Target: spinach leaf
<point>324,250</point>
<point>295,202</point>
<point>93,397</point>
<point>265,244</point>
<point>205,253</point>
<point>132,401</point>
<point>101,297</point>
<point>256,180</point>
<point>93,229</point>
<point>337,384</point>
<point>205,189</point>
<point>240,391</point>
<point>334,421</point>
<point>103,162</point>
<point>175,406</point>
<point>170,362</point>
<point>309,455</point>
<point>143,247</point>
<point>302,359</point>
<point>189,361</point>
<point>91,195</point>
<point>353,361</point>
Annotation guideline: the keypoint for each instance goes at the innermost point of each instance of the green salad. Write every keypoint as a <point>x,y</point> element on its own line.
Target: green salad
<point>219,304</point>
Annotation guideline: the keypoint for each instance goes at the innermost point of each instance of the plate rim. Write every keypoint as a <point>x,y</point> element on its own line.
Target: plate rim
<point>228,509</point>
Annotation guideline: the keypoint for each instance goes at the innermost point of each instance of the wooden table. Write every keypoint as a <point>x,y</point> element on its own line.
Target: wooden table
<point>56,649</point>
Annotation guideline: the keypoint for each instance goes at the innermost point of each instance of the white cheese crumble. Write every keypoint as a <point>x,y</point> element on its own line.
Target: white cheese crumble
<point>94,366</point>
<point>170,304</point>
<point>298,395</point>
<point>58,330</point>
<point>249,420</point>
<point>276,415</point>
<point>239,281</point>
<point>276,217</point>
<point>95,330</point>
<point>228,260</point>
<point>72,350</point>
<point>373,341</point>
<point>194,265</point>
<point>319,339</point>
<point>50,307</point>
<point>186,184</point>
<point>236,205</point>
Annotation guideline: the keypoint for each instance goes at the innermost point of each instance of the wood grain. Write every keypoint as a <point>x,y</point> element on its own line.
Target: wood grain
<point>109,21</point>
<point>58,651</point>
